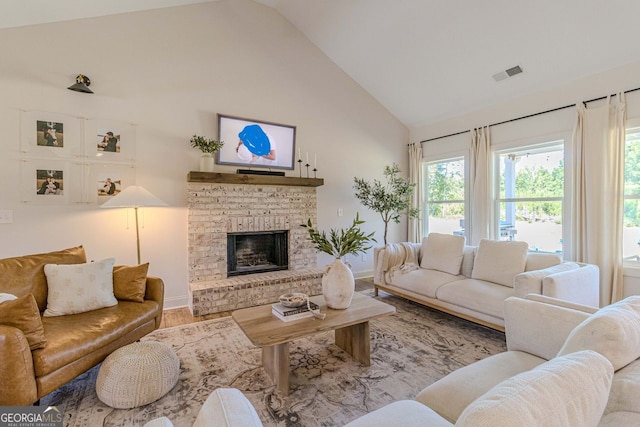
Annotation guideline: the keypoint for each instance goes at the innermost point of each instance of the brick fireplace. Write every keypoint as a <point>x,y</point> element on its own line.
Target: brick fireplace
<point>223,204</point>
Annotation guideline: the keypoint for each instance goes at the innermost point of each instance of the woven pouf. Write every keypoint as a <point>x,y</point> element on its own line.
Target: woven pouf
<point>137,374</point>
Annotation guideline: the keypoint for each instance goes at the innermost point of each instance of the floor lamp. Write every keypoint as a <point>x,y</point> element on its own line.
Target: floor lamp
<point>134,197</point>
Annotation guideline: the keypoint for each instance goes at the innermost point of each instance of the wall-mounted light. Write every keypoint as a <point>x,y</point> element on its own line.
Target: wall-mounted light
<point>82,84</point>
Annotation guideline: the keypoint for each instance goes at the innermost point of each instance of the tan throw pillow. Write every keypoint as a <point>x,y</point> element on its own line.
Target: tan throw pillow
<point>442,252</point>
<point>130,282</point>
<point>572,390</point>
<point>78,288</point>
<point>499,261</point>
<point>613,331</point>
<point>23,313</point>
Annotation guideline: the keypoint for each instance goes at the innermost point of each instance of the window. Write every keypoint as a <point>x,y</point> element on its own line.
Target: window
<point>445,196</point>
<point>530,196</point>
<point>631,225</point>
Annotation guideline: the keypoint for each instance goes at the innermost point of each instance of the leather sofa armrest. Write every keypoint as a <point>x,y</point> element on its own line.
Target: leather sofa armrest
<point>539,328</point>
<point>17,378</point>
<point>155,292</point>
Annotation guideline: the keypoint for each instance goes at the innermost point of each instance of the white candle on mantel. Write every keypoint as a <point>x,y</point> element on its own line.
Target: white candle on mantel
<point>299,156</point>
<point>307,157</point>
<point>315,161</point>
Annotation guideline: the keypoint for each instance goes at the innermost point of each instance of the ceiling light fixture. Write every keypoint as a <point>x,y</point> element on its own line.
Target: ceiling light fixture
<point>82,84</point>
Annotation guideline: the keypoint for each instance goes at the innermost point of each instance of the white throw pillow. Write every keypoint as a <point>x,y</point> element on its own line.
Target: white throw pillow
<point>613,331</point>
<point>499,261</point>
<point>566,391</point>
<point>76,288</point>
<point>442,252</point>
<point>7,297</point>
<point>227,407</point>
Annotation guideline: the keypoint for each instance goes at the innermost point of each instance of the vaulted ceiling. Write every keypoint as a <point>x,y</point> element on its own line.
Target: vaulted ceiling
<point>429,60</point>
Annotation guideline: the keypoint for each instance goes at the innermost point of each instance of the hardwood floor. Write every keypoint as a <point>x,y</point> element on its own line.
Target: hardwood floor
<point>182,316</point>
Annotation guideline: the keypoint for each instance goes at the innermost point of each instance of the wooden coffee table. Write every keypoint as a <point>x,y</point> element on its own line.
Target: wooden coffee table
<point>351,328</point>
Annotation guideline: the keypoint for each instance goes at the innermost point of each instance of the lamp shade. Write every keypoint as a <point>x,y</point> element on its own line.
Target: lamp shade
<point>133,196</point>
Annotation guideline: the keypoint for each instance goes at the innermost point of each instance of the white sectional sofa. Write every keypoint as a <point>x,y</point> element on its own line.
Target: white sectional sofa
<point>473,282</point>
<point>566,365</point>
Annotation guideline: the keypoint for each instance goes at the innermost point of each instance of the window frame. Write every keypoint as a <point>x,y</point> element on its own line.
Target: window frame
<point>539,145</point>
<point>444,158</point>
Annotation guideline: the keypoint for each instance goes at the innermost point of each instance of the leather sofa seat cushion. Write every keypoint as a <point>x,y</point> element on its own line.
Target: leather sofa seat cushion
<point>25,274</point>
<point>478,295</point>
<point>450,395</point>
<point>421,281</point>
<point>613,331</point>
<point>76,335</point>
<point>570,390</point>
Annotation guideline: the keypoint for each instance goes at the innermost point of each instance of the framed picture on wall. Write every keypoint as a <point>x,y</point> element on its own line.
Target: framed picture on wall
<point>50,182</point>
<point>48,135</point>
<point>110,141</point>
<point>254,143</point>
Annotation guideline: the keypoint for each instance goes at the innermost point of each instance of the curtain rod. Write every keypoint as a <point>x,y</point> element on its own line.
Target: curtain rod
<point>526,117</point>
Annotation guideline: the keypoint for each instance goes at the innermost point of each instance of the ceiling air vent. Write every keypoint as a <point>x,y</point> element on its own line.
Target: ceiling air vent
<point>502,75</point>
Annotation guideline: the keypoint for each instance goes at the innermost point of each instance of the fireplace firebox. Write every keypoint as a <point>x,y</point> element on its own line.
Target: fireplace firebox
<point>257,252</point>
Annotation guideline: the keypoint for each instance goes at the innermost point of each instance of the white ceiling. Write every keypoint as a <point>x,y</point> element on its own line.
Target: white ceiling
<point>429,60</point>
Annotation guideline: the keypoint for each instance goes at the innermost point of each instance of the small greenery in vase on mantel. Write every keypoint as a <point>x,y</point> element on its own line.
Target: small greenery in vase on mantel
<point>208,147</point>
<point>338,284</point>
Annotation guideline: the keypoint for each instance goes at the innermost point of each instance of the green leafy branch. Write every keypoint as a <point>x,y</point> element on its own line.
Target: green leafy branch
<point>206,145</point>
<point>341,242</point>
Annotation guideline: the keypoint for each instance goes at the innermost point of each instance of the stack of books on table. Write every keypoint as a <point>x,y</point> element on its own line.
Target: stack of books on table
<point>287,314</point>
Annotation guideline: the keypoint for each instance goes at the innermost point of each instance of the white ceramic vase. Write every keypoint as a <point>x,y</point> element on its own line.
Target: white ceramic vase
<point>338,285</point>
<point>206,162</point>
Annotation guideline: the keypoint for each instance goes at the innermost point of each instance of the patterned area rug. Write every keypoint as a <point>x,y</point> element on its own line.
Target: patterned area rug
<point>409,350</point>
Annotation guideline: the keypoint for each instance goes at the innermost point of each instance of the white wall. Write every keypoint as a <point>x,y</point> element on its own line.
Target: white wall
<point>169,72</point>
<point>541,128</point>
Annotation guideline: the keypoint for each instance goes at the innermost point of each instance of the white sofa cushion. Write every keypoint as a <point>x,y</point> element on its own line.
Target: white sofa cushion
<point>530,282</point>
<point>442,252</point>
<point>421,281</point>
<point>467,260</point>
<point>540,260</point>
<point>77,288</point>
<point>625,389</point>
<point>570,390</point>
<point>613,331</point>
<point>477,295</point>
<point>499,261</point>
<point>450,395</point>
<point>407,413</point>
<point>227,407</point>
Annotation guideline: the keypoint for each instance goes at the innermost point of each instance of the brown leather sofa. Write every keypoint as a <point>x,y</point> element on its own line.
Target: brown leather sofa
<point>74,343</point>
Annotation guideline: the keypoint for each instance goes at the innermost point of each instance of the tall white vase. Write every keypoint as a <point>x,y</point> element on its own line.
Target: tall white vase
<point>206,162</point>
<point>338,285</point>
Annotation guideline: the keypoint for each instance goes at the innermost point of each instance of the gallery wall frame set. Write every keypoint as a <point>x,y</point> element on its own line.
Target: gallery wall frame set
<point>66,159</point>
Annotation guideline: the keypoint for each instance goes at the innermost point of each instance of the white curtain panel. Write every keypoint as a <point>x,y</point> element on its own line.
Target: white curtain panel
<point>597,203</point>
<point>479,191</point>
<point>415,225</point>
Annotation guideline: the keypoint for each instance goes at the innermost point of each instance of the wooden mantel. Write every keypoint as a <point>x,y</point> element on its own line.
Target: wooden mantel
<point>234,178</point>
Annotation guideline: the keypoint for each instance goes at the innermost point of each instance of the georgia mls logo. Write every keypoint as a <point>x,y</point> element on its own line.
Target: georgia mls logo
<point>30,416</point>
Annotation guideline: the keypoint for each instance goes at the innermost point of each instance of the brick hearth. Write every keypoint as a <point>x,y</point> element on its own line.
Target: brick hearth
<point>219,205</point>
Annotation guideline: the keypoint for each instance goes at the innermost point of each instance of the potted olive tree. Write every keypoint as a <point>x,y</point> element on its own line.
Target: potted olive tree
<point>338,284</point>
<point>390,199</point>
<point>208,148</point>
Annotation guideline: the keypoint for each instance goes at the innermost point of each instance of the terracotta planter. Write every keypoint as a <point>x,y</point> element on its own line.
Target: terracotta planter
<point>338,285</point>
<point>206,162</point>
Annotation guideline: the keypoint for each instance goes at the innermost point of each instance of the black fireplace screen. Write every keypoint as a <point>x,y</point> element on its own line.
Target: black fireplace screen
<point>257,252</point>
